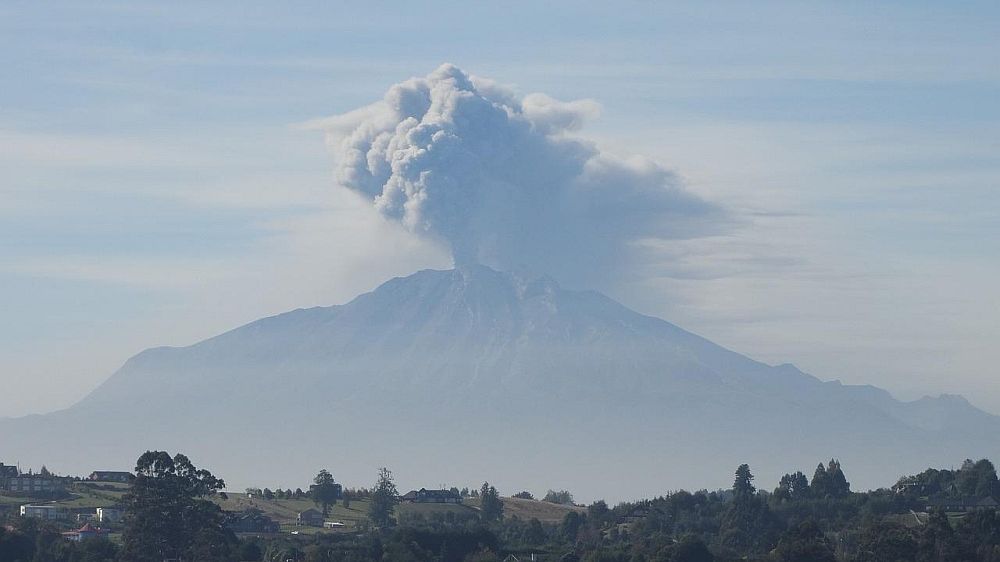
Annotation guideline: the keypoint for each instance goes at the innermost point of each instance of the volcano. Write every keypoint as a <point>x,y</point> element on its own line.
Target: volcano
<point>459,376</point>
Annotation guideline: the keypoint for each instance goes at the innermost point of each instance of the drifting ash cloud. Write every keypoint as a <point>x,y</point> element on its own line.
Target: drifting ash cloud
<point>507,181</point>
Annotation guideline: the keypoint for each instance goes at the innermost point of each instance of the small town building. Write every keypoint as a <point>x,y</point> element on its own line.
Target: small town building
<point>7,472</point>
<point>49,512</point>
<point>333,525</point>
<point>88,531</point>
<point>110,476</point>
<point>108,515</point>
<point>423,495</point>
<point>310,517</point>
<point>33,483</point>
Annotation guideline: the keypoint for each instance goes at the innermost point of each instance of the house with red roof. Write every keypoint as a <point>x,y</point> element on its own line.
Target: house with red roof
<point>88,531</point>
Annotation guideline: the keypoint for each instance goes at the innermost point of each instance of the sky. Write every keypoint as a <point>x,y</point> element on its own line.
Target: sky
<point>164,180</point>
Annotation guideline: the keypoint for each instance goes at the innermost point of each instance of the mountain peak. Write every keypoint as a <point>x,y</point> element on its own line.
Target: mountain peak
<point>519,374</point>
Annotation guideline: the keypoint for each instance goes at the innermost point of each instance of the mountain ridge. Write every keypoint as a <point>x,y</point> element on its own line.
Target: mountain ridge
<point>454,356</point>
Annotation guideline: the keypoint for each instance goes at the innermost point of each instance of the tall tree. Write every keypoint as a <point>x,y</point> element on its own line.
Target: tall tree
<point>325,491</point>
<point>384,498</point>
<point>820,484</point>
<point>168,515</point>
<point>490,504</point>
<point>743,485</point>
<point>748,524</point>
<point>838,486</point>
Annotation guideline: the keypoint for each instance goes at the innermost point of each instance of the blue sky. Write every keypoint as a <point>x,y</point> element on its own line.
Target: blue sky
<point>158,186</point>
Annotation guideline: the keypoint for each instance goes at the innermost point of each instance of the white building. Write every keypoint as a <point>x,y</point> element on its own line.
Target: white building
<point>43,511</point>
<point>107,515</point>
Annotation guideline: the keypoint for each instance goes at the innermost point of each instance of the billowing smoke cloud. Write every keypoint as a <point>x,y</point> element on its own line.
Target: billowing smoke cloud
<point>505,180</point>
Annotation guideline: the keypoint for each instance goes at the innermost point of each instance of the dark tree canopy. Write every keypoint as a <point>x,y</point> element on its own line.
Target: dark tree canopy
<point>743,485</point>
<point>563,497</point>
<point>977,478</point>
<point>691,549</point>
<point>887,542</point>
<point>490,504</point>
<point>793,487</point>
<point>384,498</point>
<point>325,491</point>
<point>168,515</point>
<point>750,525</point>
<point>804,542</point>
<point>571,524</point>
<point>829,481</point>
<point>534,534</point>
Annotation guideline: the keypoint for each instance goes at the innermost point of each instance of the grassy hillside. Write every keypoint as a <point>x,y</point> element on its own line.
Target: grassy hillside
<point>286,512</point>
<point>94,494</point>
<point>526,509</point>
<point>83,495</point>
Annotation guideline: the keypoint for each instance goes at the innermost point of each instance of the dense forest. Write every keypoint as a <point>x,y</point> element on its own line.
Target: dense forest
<point>170,515</point>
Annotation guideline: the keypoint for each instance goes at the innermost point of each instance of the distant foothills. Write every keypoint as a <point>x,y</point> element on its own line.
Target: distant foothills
<point>168,509</point>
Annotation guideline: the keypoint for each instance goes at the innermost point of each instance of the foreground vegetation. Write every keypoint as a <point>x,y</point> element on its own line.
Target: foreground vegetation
<point>176,511</point>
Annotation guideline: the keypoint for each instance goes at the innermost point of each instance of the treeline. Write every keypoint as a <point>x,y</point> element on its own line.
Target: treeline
<point>974,478</point>
<point>170,515</point>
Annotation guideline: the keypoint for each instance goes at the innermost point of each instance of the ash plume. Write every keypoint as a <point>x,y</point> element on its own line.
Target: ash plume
<point>506,180</point>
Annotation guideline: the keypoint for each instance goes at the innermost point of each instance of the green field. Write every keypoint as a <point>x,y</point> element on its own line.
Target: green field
<point>83,495</point>
<point>285,512</point>
<point>528,509</point>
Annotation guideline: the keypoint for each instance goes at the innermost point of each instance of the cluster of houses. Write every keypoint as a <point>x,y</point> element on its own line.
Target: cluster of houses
<point>16,482</point>
<point>56,512</point>
<point>88,531</point>
<point>251,521</point>
<point>424,495</point>
<point>314,518</point>
<point>12,480</point>
<point>120,477</point>
<point>44,485</point>
<point>96,520</point>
